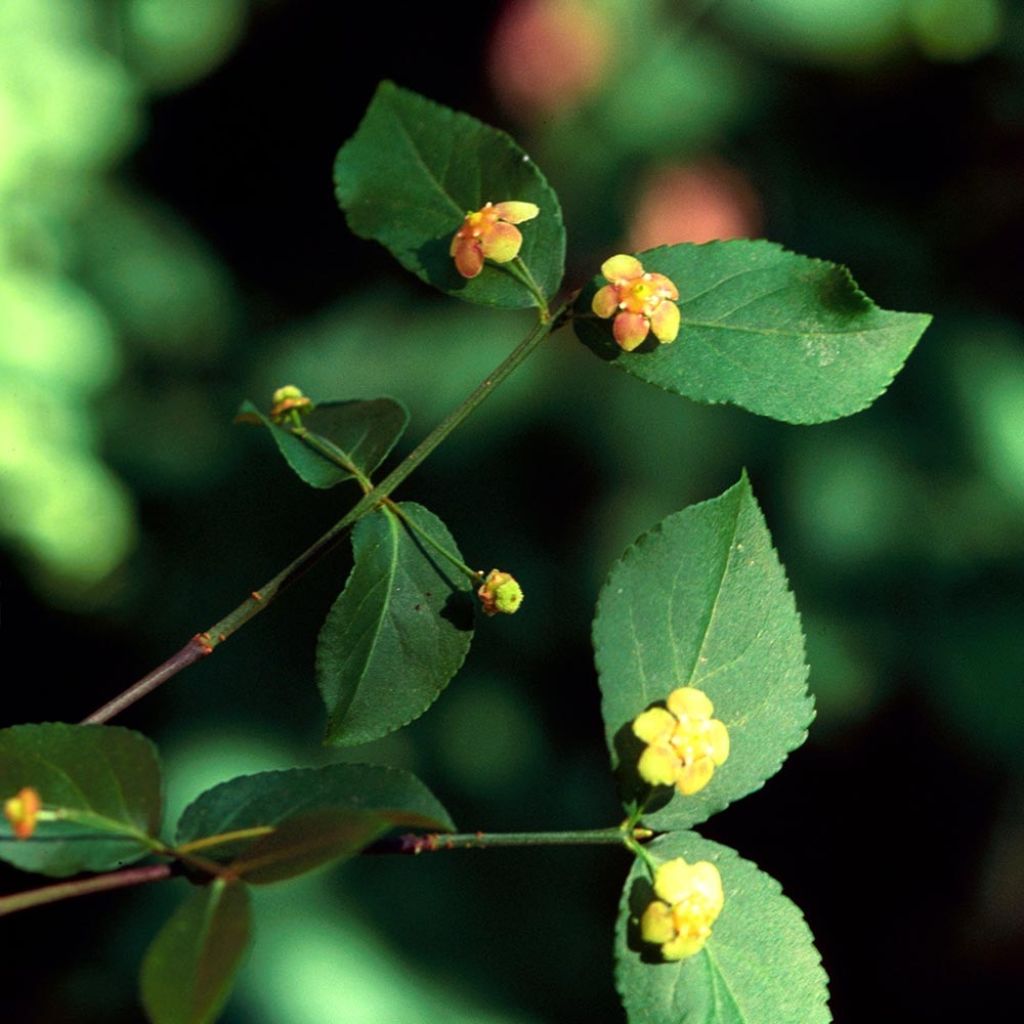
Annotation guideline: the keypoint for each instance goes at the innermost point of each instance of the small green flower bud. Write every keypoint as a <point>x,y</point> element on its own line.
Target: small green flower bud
<point>500,593</point>
<point>289,399</point>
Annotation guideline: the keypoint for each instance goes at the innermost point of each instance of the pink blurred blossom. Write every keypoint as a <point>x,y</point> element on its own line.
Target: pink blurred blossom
<point>546,55</point>
<point>694,202</point>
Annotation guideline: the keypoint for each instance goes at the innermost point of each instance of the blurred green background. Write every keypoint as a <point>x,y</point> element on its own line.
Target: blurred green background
<point>169,245</point>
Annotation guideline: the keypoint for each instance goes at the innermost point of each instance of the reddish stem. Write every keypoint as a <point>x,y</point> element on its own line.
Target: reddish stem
<point>82,887</point>
<point>197,648</point>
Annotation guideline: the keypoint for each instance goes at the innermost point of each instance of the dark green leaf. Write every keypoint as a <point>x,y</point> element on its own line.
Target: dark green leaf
<point>414,169</point>
<point>701,600</point>
<point>318,815</point>
<point>398,632</point>
<point>106,774</point>
<point>190,965</point>
<point>359,434</point>
<point>779,334</point>
<point>759,965</point>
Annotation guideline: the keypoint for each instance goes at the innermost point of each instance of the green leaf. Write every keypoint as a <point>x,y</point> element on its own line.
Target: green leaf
<point>779,334</point>
<point>701,600</point>
<point>398,632</point>
<point>414,169</point>
<point>359,433</point>
<point>759,965</point>
<point>317,814</point>
<point>108,777</point>
<point>189,967</point>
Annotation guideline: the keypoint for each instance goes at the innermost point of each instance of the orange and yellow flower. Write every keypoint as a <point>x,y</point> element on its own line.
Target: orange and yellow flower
<point>22,811</point>
<point>490,233</point>
<point>684,743</point>
<point>639,300</point>
<point>690,899</point>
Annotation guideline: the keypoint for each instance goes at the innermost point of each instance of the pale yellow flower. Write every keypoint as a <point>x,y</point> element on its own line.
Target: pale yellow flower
<point>690,898</point>
<point>684,743</point>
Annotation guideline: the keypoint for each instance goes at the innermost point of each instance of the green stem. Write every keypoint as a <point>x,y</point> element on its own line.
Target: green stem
<point>221,838</point>
<point>434,841</point>
<point>474,575</point>
<point>84,886</point>
<point>204,643</point>
<point>100,823</point>
<point>521,272</point>
<point>339,458</point>
<point>634,844</point>
<point>334,454</point>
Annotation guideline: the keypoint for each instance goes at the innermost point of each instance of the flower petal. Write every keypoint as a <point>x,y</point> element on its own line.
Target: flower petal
<point>706,880</point>
<point>630,329</point>
<point>502,243</point>
<point>691,702</point>
<point>673,880</point>
<point>515,212</point>
<point>717,741</point>
<point>683,946</point>
<point>665,321</point>
<point>653,724</point>
<point>665,285</point>
<point>656,924</point>
<point>659,765</point>
<point>694,777</point>
<point>469,257</point>
<point>622,268</point>
<point>606,301</point>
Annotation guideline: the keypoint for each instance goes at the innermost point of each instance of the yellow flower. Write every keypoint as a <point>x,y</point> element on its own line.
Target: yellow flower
<point>690,899</point>
<point>500,593</point>
<point>639,300</point>
<point>684,743</point>
<point>488,233</point>
<point>22,812</point>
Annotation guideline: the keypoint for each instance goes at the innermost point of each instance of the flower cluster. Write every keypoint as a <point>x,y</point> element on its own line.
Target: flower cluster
<point>500,593</point>
<point>690,898</point>
<point>639,300</point>
<point>489,233</point>
<point>684,743</point>
<point>22,811</point>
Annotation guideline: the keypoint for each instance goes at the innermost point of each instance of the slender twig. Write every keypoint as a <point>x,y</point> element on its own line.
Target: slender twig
<point>412,843</point>
<point>197,648</point>
<point>204,643</point>
<point>84,886</point>
<point>333,454</point>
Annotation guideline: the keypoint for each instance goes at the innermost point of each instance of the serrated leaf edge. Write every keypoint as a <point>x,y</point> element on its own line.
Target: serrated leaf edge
<point>743,484</point>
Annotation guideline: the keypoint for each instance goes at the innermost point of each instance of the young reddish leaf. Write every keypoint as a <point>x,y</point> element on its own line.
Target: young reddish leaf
<point>189,967</point>
<point>302,818</point>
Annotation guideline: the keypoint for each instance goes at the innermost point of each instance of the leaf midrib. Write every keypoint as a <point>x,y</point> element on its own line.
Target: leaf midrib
<point>389,578</point>
<point>730,551</point>
<point>428,172</point>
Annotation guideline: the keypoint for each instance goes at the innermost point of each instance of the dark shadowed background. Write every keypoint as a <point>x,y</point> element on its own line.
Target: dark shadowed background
<point>169,245</point>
